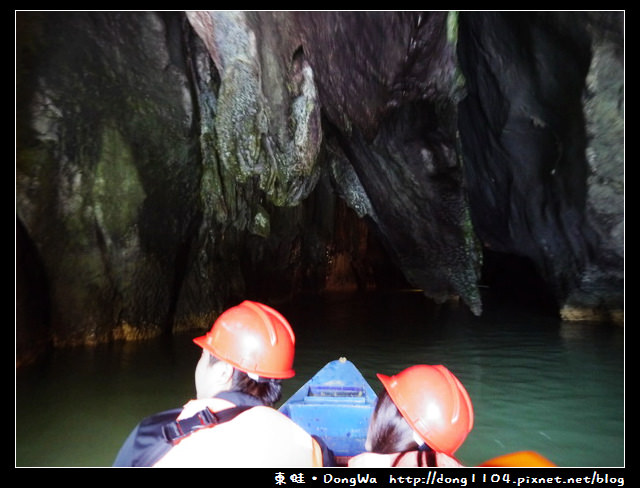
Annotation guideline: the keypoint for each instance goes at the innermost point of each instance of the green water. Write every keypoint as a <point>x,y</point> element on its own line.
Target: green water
<point>536,382</point>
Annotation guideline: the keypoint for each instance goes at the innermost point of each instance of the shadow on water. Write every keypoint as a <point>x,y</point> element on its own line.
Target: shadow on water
<point>536,382</point>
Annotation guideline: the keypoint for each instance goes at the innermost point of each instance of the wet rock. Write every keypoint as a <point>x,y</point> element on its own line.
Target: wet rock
<point>169,164</point>
<point>533,133</point>
<point>390,95</point>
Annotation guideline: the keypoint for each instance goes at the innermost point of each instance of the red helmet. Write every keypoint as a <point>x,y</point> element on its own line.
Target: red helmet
<point>434,402</point>
<point>253,338</point>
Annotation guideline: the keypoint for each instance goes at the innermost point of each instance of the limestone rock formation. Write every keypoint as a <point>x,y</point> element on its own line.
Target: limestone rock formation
<point>171,163</point>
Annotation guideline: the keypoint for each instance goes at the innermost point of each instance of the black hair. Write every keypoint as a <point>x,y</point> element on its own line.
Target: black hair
<point>267,390</point>
<point>390,433</point>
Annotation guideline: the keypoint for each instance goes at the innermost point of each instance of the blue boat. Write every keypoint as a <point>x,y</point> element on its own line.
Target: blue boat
<point>335,405</point>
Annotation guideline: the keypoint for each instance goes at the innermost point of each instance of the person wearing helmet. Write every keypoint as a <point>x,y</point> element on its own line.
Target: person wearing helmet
<point>422,416</point>
<point>231,422</point>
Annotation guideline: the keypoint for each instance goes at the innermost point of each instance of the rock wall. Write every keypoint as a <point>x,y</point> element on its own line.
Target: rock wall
<point>108,167</point>
<point>542,129</point>
<point>169,164</point>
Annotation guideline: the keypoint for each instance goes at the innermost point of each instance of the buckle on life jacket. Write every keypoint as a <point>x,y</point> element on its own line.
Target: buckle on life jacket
<point>175,431</point>
<point>178,429</point>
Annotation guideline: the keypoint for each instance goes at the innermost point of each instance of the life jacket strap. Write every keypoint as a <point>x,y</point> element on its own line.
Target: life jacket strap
<point>178,429</point>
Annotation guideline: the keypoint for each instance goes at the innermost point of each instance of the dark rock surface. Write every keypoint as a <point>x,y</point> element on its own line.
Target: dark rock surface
<point>170,164</point>
<point>391,96</point>
<point>542,130</point>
